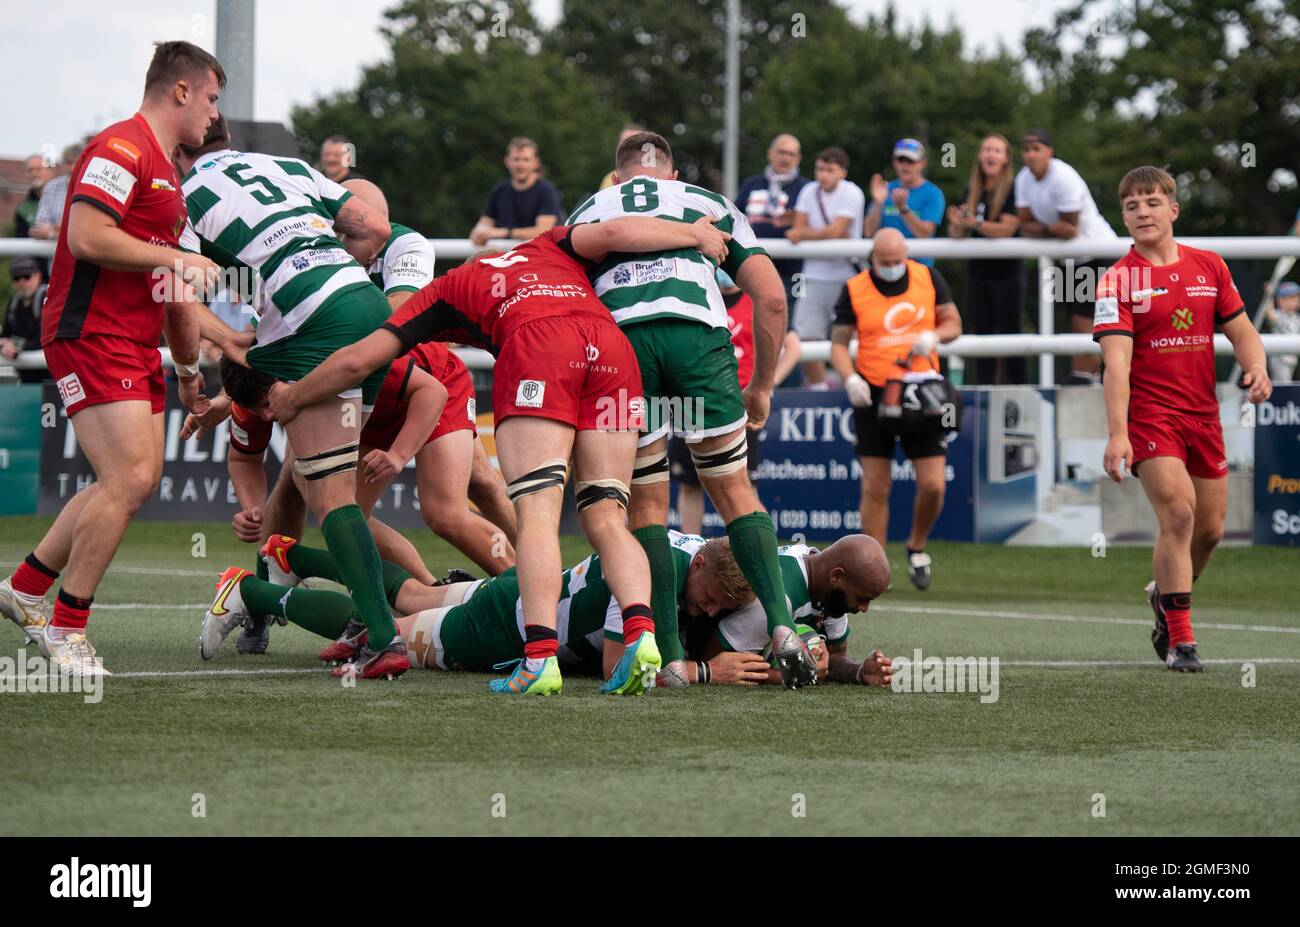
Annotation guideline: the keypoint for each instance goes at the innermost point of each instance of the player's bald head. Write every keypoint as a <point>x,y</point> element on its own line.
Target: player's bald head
<point>889,246</point>
<point>369,193</point>
<point>863,559</point>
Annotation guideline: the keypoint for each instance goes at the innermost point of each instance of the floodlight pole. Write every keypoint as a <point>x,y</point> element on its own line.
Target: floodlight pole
<point>235,36</point>
<point>731,137</point>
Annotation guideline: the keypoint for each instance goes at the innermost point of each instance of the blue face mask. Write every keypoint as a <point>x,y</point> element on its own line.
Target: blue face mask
<point>891,274</point>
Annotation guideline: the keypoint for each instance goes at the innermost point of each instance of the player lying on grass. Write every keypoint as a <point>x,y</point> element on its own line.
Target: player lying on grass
<point>1156,314</point>
<point>566,383</point>
<point>465,626</point>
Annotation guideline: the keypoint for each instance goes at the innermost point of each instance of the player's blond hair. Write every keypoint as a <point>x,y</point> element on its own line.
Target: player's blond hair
<point>1148,179</point>
<point>726,572</point>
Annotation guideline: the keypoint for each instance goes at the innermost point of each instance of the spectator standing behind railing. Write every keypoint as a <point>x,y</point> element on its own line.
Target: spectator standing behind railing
<point>49,210</point>
<point>1053,202</point>
<point>768,201</point>
<point>338,157</point>
<point>1284,316</point>
<point>525,205</point>
<point>909,203</point>
<point>38,174</point>
<point>994,288</point>
<point>828,209</point>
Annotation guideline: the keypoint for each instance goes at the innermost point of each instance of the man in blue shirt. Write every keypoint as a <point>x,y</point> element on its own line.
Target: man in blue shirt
<point>525,205</point>
<point>910,203</point>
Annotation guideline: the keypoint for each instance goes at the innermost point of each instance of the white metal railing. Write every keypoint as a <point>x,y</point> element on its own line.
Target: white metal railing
<point>1046,344</point>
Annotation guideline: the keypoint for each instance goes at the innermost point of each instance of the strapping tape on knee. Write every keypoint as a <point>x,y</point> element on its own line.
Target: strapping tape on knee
<point>326,463</point>
<point>549,475</point>
<point>724,460</point>
<point>592,491</point>
<point>653,468</point>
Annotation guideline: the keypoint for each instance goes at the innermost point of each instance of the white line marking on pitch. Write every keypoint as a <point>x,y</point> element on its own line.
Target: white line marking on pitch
<point>1066,664</point>
<point>160,674</point>
<point>143,571</point>
<point>1086,619</point>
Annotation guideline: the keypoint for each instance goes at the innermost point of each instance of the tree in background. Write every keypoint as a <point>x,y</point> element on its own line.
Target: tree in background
<point>431,124</point>
<point>1211,89</point>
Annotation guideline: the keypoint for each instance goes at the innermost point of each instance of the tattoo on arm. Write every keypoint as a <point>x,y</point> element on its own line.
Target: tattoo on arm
<point>351,220</point>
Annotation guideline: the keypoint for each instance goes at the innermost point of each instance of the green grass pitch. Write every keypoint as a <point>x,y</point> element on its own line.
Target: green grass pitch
<point>282,748</point>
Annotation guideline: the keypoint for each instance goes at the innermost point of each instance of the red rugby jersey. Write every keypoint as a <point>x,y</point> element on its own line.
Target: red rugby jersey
<point>482,302</point>
<point>124,172</point>
<point>740,322</point>
<point>1171,313</point>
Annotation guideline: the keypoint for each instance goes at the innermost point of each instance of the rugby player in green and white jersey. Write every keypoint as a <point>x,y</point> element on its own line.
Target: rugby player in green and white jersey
<point>479,625</point>
<point>669,306</point>
<point>822,587</point>
<point>288,226</point>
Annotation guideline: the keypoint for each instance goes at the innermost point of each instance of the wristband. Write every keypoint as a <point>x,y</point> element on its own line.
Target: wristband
<point>703,674</point>
<point>186,371</point>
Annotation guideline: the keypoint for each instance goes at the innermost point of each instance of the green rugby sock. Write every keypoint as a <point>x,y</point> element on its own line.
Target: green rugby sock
<point>320,611</point>
<point>663,589</point>
<point>260,571</point>
<point>312,561</point>
<point>348,538</point>
<point>753,544</point>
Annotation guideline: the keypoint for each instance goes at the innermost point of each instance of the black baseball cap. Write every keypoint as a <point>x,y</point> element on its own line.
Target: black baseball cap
<point>23,266</point>
<point>1042,136</point>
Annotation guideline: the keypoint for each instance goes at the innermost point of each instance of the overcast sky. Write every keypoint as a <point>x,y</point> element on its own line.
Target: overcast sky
<point>70,67</point>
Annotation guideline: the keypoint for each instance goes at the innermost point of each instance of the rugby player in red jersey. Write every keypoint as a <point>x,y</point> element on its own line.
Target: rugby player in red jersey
<point>100,329</point>
<point>1157,310</point>
<point>566,382</point>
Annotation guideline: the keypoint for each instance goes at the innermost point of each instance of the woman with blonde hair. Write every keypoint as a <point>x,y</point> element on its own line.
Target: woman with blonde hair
<point>994,288</point>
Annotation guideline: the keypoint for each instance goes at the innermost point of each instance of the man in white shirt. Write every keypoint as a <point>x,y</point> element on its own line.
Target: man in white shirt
<point>1053,201</point>
<point>833,207</point>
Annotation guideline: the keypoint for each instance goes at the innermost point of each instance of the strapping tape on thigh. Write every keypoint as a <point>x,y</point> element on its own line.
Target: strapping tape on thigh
<point>652,468</point>
<point>592,491</point>
<point>549,475</point>
<point>326,463</point>
<point>724,460</point>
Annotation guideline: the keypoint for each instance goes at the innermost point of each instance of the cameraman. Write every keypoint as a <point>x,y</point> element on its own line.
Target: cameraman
<point>900,310</point>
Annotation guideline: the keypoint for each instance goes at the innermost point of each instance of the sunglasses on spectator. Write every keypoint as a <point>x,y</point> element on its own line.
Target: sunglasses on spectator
<point>17,277</point>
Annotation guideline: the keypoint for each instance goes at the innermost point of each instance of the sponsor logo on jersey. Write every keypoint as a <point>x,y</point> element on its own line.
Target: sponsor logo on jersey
<point>1141,296</point>
<point>162,183</point>
<point>471,408</point>
<point>1211,292</point>
<point>1181,319</point>
<point>530,394</point>
<point>124,148</point>
<point>207,165</point>
<point>109,176</point>
<point>317,257</point>
<point>593,353</point>
<point>70,390</point>
<point>640,273</point>
<point>1106,311</point>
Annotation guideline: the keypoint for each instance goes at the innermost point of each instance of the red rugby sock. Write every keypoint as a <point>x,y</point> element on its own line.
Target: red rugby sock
<point>33,577</point>
<point>70,612</point>
<point>1177,607</point>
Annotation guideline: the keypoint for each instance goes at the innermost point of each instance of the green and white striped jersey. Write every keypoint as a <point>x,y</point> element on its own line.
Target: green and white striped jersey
<point>274,217</point>
<point>405,264</point>
<point>746,628</point>
<point>680,284</point>
<point>587,608</point>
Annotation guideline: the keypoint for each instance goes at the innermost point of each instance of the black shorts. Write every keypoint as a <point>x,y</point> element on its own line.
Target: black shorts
<point>1095,269</point>
<point>876,438</point>
<point>682,468</point>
